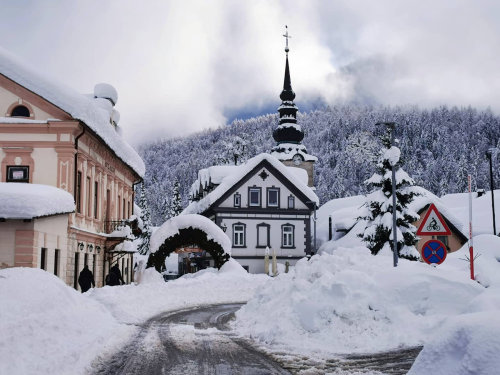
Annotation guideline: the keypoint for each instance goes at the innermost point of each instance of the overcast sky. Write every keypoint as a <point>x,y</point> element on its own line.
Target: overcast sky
<point>184,66</point>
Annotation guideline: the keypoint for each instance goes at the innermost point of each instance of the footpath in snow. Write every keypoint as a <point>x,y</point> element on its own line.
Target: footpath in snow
<point>48,327</point>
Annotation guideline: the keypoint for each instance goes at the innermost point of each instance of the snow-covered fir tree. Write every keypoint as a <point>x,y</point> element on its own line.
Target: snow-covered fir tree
<point>379,205</point>
<point>145,235</point>
<point>176,201</point>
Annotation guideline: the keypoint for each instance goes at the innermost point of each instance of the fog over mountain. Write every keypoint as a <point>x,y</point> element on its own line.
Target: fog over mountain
<point>439,147</point>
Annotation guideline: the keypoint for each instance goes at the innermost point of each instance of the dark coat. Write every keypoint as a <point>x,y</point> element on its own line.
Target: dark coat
<point>86,279</point>
<point>114,277</point>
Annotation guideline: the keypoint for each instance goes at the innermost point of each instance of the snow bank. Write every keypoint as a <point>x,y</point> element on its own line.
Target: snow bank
<point>27,201</point>
<point>351,301</point>
<point>48,327</point>
<point>172,226</point>
<point>137,303</point>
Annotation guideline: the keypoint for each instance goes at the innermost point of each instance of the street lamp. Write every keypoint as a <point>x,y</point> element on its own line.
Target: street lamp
<point>314,220</point>
<point>492,151</point>
<point>391,126</point>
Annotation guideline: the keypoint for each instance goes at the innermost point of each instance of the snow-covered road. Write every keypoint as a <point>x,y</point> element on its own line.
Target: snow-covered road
<point>189,342</point>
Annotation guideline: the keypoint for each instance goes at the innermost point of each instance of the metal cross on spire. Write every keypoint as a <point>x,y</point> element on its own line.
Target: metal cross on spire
<point>286,36</point>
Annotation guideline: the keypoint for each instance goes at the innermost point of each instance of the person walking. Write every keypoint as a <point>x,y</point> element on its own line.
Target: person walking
<point>86,279</point>
<point>115,276</point>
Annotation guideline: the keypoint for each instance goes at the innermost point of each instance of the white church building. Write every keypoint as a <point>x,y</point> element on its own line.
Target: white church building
<point>269,201</point>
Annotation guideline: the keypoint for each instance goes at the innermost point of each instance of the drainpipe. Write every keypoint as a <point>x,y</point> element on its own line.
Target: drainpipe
<point>76,161</point>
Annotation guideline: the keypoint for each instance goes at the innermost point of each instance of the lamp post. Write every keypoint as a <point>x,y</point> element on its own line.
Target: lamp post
<point>491,151</point>
<point>391,126</point>
<point>314,221</point>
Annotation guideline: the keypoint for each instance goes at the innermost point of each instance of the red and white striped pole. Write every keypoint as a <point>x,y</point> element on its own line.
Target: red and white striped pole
<point>471,246</point>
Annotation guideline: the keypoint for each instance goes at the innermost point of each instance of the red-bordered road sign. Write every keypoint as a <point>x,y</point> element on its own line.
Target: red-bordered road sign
<point>434,252</point>
<point>433,224</point>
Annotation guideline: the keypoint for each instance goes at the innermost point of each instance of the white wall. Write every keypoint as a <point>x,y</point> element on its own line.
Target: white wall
<point>270,181</point>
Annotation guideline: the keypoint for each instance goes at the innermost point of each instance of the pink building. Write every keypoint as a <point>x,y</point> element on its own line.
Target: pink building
<point>52,135</point>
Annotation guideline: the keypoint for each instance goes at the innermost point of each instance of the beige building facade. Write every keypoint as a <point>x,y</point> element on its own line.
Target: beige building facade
<point>52,136</point>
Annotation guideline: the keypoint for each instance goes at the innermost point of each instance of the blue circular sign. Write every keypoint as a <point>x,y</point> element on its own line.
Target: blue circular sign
<point>434,252</point>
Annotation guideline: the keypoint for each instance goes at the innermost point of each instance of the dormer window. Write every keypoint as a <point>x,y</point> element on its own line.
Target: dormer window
<point>237,200</point>
<point>20,111</point>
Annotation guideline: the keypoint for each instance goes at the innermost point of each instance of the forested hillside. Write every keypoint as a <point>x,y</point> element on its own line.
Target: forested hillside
<point>439,148</point>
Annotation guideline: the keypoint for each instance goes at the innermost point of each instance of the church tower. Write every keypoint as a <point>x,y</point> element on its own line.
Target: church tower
<point>288,135</point>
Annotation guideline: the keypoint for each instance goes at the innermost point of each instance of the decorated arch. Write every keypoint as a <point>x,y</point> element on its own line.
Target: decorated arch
<point>186,230</point>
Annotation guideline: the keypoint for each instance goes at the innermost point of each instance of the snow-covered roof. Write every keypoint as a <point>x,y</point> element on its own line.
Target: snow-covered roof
<point>79,106</point>
<point>172,226</point>
<point>288,151</point>
<point>240,171</point>
<point>28,201</point>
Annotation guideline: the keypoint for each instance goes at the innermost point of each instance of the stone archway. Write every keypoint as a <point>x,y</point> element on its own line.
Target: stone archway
<point>185,237</point>
<point>188,230</point>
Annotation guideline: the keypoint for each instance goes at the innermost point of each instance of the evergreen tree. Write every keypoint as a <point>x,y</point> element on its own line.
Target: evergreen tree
<point>379,220</point>
<point>176,201</point>
<point>145,235</point>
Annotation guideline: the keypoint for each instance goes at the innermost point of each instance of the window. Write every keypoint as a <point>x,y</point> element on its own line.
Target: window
<point>291,201</point>
<point>20,111</point>
<point>263,237</point>
<point>237,200</point>
<point>123,206</point>
<point>287,235</point>
<point>96,198</point>
<point>18,174</point>
<point>119,206</point>
<point>79,192</point>
<point>56,262</point>
<point>128,209</point>
<point>89,197</point>
<point>85,259</point>
<point>43,259</point>
<point>94,259</point>
<point>254,197</point>
<point>239,235</point>
<point>273,197</point>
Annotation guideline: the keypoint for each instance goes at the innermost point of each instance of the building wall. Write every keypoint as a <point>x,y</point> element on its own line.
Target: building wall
<point>251,248</point>
<point>257,181</point>
<point>45,142</point>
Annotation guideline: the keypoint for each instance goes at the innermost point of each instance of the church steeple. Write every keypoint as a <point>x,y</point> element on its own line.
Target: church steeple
<point>288,135</point>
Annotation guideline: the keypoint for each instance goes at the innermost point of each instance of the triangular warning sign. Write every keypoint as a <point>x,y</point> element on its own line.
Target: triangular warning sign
<point>433,224</point>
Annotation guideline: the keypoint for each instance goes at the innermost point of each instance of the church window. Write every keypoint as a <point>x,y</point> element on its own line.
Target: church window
<point>273,197</point>
<point>18,174</point>
<point>291,201</point>
<point>254,197</point>
<point>239,235</point>
<point>237,200</point>
<point>287,235</point>
<point>20,111</point>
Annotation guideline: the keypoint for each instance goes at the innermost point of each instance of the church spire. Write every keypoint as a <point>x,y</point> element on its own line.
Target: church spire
<point>288,134</point>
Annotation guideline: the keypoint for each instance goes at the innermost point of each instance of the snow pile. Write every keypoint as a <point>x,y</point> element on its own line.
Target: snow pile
<point>48,327</point>
<point>27,201</point>
<point>172,226</point>
<point>351,302</point>
<point>482,217</point>
<point>137,303</point>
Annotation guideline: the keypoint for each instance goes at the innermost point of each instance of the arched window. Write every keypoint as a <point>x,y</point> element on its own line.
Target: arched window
<point>20,111</point>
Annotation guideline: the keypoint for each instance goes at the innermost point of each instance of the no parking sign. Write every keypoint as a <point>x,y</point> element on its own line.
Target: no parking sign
<point>434,252</point>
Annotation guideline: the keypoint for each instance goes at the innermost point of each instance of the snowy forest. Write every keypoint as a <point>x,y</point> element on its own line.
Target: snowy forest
<point>439,147</point>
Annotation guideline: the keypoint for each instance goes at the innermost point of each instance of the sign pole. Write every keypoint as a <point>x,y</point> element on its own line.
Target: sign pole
<point>471,246</point>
